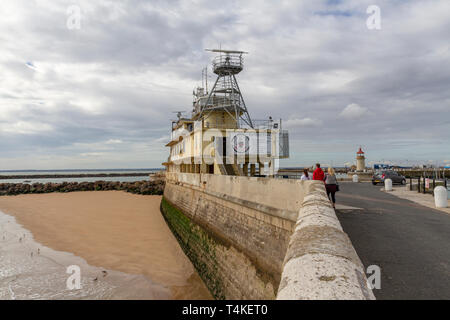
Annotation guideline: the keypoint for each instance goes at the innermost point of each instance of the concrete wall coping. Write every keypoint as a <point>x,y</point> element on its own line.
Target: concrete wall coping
<point>320,262</point>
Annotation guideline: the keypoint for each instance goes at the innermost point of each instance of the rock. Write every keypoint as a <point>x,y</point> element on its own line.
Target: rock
<point>138,187</point>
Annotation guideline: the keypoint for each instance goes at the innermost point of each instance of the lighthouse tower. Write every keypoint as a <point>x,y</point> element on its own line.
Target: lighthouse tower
<point>360,160</point>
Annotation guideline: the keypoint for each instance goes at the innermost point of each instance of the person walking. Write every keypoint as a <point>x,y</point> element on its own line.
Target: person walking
<point>318,173</point>
<point>305,175</point>
<point>331,185</point>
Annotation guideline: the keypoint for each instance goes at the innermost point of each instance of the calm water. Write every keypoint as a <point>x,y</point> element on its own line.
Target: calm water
<point>75,171</point>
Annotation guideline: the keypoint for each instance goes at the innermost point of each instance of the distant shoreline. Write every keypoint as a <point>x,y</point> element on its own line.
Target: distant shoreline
<point>79,175</point>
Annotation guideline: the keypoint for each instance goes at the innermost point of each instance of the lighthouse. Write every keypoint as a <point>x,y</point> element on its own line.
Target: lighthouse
<point>360,160</point>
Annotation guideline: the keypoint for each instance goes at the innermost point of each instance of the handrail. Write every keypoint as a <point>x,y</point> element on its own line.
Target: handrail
<point>257,124</point>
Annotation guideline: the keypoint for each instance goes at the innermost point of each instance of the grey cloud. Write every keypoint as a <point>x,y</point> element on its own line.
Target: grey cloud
<point>134,62</point>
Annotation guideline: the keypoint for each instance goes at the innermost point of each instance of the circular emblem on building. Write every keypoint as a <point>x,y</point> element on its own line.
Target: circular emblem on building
<point>241,143</point>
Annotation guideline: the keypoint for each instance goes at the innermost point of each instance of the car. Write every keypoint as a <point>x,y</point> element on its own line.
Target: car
<point>379,177</point>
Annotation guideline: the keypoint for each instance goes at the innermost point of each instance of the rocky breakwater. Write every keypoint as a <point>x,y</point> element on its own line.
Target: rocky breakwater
<point>155,187</point>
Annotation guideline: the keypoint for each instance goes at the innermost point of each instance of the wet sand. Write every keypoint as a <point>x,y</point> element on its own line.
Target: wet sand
<point>31,271</point>
<point>113,230</point>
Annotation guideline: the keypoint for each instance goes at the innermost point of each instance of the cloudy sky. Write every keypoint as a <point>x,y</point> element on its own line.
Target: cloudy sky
<point>102,95</point>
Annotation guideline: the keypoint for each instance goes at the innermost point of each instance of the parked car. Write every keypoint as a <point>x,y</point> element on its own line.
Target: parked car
<point>379,177</point>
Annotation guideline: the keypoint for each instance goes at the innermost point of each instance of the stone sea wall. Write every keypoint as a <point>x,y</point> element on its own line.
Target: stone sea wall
<point>140,187</point>
<point>234,238</point>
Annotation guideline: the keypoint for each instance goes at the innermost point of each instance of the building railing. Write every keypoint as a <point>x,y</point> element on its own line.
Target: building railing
<point>228,62</point>
<point>427,185</point>
<point>242,124</point>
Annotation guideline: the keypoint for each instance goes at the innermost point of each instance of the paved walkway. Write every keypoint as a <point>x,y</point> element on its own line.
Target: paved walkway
<point>410,242</point>
<point>426,200</point>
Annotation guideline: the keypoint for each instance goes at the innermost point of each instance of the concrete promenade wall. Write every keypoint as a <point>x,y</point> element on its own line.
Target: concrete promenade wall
<point>284,195</point>
<point>235,230</point>
<point>321,262</point>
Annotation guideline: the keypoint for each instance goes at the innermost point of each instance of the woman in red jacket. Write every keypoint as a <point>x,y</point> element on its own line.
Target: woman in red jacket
<point>318,173</point>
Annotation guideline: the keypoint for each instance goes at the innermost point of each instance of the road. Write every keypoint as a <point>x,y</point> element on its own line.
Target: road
<point>409,242</point>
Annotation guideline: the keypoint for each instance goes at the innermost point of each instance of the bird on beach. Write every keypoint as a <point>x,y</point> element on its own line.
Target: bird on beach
<point>105,273</point>
<point>96,278</point>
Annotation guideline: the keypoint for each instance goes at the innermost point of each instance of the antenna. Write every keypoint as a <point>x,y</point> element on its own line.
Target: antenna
<point>179,114</point>
<point>206,78</point>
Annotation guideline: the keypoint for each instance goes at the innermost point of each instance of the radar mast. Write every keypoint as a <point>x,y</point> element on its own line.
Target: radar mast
<point>225,95</point>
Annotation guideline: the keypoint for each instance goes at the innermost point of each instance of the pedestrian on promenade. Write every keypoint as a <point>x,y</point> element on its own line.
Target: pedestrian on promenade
<point>331,185</point>
<point>318,173</point>
<point>305,175</point>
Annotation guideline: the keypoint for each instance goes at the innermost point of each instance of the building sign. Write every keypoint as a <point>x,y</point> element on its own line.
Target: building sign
<point>241,143</point>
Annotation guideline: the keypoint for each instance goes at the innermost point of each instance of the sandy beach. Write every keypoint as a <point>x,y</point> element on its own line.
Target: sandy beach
<point>113,230</point>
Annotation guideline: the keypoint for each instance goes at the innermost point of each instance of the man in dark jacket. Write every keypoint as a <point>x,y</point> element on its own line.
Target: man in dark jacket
<point>318,173</point>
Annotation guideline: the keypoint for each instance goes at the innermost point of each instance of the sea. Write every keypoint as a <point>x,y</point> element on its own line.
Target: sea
<point>91,172</point>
